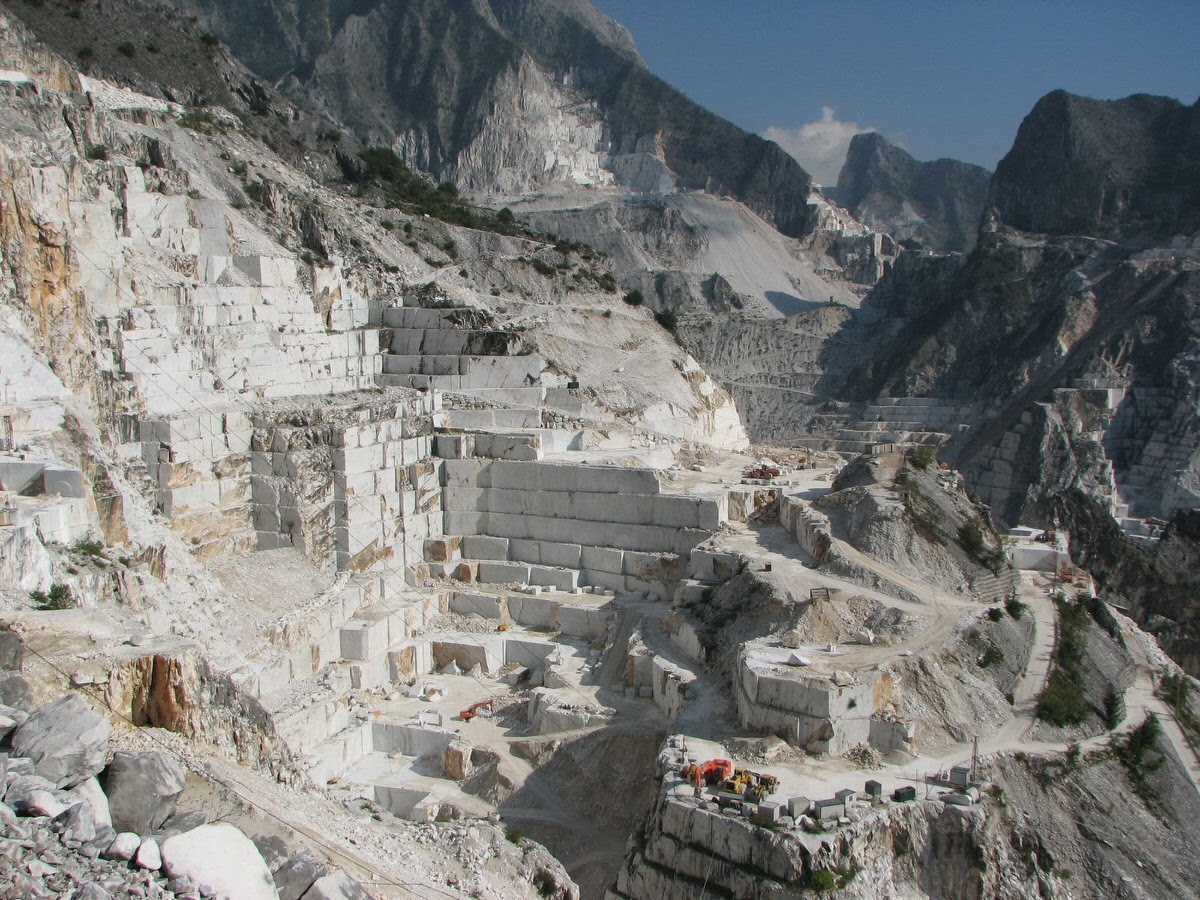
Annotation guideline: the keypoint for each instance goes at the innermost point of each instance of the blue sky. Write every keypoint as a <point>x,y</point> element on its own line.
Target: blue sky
<point>940,78</point>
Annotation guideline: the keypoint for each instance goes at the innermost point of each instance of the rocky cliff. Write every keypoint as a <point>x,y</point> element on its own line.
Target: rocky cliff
<point>926,205</point>
<point>506,96</point>
<point>1112,168</point>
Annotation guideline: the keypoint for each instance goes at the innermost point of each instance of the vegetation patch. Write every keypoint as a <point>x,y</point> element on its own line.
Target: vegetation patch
<point>1176,691</point>
<point>1139,754</point>
<point>1064,702</point>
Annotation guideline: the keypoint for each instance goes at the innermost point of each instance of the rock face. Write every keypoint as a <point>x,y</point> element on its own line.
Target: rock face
<point>1102,167</point>
<point>142,789</point>
<point>927,205</point>
<point>66,741</point>
<point>507,96</point>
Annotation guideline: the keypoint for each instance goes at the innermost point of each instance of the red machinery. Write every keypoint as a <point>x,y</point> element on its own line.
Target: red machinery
<point>475,709</point>
<point>710,772</point>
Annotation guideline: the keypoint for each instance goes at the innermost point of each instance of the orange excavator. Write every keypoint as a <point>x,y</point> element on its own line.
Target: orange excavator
<point>707,772</point>
<point>476,708</point>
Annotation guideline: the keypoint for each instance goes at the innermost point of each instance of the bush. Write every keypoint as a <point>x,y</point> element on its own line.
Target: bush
<point>991,656</point>
<point>505,216</point>
<point>210,40</point>
<point>667,319</point>
<point>1140,756</point>
<point>1113,708</point>
<point>970,536</point>
<point>635,298</point>
<point>126,48</point>
<point>85,54</point>
<point>1064,702</point>
<point>1014,607</point>
<point>923,455</point>
<point>59,597</point>
<point>821,880</point>
<point>93,549</point>
<point>995,613</point>
<point>513,834</point>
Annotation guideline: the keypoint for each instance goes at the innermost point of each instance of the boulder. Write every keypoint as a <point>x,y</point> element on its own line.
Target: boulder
<point>38,803</point>
<point>221,857</point>
<point>21,786</point>
<point>142,788</point>
<point>65,739</point>
<point>15,691</point>
<point>123,847</point>
<point>91,792</point>
<point>297,875</point>
<point>456,760</point>
<point>148,856</point>
<point>336,886</point>
<point>12,651</point>
<point>184,821</point>
<point>78,823</point>
<point>11,719</point>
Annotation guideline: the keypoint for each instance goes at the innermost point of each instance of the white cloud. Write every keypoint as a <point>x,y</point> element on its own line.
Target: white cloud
<point>819,146</point>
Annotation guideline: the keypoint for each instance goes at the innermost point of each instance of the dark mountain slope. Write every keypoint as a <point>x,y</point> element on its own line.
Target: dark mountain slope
<point>929,205</point>
<point>432,77</point>
<point>1108,168</point>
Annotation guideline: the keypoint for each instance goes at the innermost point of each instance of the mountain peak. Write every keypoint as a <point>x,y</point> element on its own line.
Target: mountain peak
<point>1102,166</point>
<point>933,205</point>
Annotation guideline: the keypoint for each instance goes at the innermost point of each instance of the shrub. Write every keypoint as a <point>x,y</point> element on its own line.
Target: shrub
<point>85,54</point>
<point>667,319</point>
<point>513,834</point>
<point>93,549</point>
<point>544,269</point>
<point>821,880</point>
<point>970,536</point>
<point>923,455</point>
<point>635,298</point>
<point>126,48</point>
<point>995,613</point>
<point>1014,607</point>
<point>1113,708</point>
<point>505,216</point>
<point>1063,701</point>
<point>1138,752</point>
<point>991,656</point>
<point>210,40</point>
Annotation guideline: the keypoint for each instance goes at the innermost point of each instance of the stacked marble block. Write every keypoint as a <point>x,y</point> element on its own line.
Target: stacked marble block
<point>358,489</point>
<point>819,712</point>
<point>575,620</point>
<point>200,465</point>
<point>362,635</point>
<point>239,321</point>
<point>451,349</point>
<point>604,525</point>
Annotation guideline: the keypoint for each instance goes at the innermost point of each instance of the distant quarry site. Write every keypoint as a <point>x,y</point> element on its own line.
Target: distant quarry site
<point>492,475</point>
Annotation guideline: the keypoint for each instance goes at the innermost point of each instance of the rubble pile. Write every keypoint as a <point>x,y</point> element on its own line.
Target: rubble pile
<point>79,823</point>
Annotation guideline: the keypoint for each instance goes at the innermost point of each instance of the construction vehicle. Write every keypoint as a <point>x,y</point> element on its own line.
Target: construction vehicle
<point>762,472</point>
<point>710,772</point>
<point>476,708</point>
<point>751,786</point>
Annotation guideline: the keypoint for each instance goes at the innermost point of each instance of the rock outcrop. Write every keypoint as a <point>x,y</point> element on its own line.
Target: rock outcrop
<point>925,205</point>
<point>1108,168</point>
<point>507,97</point>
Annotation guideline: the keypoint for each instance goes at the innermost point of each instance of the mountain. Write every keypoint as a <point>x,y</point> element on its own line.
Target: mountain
<point>506,96</point>
<point>1107,168</point>
<point>930,205</point>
